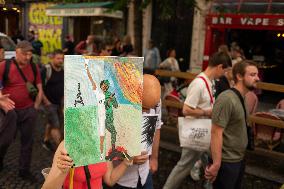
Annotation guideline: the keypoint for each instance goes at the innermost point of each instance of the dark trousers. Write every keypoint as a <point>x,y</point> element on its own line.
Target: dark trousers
<point>8,133</point>
<point>23,120</point>
<point>230,176</point>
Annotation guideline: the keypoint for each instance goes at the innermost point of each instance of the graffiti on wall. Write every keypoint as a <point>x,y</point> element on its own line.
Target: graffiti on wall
<point>49,29</point>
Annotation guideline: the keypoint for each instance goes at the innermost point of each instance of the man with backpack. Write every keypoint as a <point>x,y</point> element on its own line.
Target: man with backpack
<point>21,80</point>
<point>53,98</point>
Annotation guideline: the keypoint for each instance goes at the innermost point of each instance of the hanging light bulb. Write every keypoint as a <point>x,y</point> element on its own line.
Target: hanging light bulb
<point>279,34</point>
<point>4,9</point>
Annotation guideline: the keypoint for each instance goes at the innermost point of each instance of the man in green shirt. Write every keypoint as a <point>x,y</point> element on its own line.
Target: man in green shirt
<point>229,133</point>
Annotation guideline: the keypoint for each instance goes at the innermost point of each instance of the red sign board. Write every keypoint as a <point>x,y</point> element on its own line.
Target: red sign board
<point>245,21</point>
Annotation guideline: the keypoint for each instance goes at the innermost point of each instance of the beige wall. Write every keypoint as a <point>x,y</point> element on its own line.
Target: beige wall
<point>198,36</point>
<point>147,26</point>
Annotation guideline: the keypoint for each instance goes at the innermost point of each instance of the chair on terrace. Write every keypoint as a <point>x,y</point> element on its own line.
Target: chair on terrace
<point>266,135</point>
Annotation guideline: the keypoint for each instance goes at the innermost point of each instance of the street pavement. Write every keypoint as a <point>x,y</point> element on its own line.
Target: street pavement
<point>167,160</point>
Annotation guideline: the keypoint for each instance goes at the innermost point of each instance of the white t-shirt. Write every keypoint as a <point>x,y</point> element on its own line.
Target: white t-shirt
<point>132,174</point>
<point>197,93</point>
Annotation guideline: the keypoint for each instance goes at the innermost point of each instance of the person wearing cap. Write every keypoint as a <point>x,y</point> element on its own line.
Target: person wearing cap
<point>24,114</point>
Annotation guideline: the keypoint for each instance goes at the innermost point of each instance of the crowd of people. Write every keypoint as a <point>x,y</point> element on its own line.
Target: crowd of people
<point>26,86</point>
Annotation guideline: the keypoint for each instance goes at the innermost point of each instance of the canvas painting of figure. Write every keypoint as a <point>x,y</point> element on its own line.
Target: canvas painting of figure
<point>102,107</point>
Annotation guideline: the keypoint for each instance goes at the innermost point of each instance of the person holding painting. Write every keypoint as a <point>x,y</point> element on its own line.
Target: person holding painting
<point>64,175</point>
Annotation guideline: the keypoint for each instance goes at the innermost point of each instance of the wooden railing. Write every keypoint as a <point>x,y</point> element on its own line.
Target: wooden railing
<point>191,76</point>
<point>252,118</point>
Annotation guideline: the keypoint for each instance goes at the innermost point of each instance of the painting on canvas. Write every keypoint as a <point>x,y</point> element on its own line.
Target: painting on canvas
<point>102,107</point>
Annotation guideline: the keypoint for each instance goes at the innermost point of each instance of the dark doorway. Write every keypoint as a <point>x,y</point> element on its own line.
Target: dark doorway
<point>82,28</point>
<point>265,47</point>
<point>175,32</point>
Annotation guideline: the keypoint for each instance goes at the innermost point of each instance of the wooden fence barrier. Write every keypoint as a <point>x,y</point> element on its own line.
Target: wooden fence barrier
<point>191,76</point>
<point>252,118</point>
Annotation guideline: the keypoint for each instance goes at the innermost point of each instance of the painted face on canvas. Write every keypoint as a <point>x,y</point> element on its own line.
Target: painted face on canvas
<point>104,87</point>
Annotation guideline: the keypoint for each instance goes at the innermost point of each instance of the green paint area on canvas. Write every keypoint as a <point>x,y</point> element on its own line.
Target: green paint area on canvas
<point>81,124</point>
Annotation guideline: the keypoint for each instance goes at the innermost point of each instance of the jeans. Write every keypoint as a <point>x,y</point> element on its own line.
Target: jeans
<point>230,175</point>
<point>183,168</point>
<point>26,124</point>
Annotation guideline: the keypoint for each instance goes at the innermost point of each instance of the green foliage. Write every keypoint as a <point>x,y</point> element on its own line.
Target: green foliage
<point>167,8</point>
<point>120,4</point>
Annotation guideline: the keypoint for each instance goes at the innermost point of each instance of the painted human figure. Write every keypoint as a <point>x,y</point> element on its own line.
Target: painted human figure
<point>110,101</point>
<point>106,102</point>
<point>101,110</point>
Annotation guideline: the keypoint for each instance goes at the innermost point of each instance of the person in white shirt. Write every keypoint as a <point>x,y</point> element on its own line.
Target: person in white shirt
<point>198,104</point>
<point>139,175</point>
<point>170,64</point>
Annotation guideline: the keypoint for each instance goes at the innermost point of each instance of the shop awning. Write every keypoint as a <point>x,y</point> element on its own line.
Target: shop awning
<point>84,9</point>
<point>248,6</point>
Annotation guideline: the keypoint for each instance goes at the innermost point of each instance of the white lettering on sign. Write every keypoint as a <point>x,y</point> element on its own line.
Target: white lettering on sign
<point>221,20</point>
<point>214,20</point>
<point>265,22</point>
<point>255,21</point>
<point>280,22</point>
<point>243,21</point>
<point>228,20</point>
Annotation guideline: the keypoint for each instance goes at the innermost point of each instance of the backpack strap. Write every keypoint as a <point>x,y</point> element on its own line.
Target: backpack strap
<point>88,176</point>
<point>48,72</point>
<point>6,72</point>
<point>250,133</point>
<point>33,65</point>
<point>209,91</point>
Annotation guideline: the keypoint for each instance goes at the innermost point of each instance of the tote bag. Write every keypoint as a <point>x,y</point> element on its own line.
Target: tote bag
<point>194,133</point>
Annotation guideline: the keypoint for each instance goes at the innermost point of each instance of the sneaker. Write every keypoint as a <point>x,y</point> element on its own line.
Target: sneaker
<point>196,171</point>
<point>26,175</point>
<point>47,145</point>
